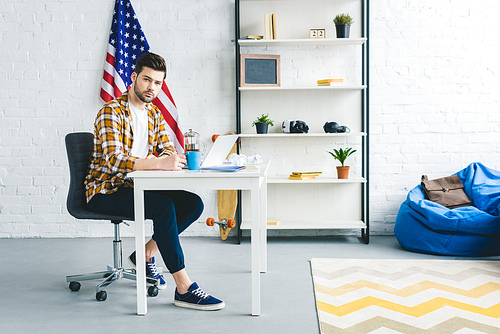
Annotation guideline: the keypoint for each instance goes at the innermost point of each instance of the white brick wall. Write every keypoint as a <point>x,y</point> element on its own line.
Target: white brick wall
<point>433,96</point>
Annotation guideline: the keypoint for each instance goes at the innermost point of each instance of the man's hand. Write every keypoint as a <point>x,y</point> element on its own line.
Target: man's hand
<point>172,162</point>
<point>166,162</point>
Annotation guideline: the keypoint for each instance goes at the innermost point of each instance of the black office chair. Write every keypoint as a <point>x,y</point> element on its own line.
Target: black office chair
<point>79,147</point>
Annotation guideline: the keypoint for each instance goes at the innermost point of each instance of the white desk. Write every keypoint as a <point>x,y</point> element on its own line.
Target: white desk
<point>254,181</point>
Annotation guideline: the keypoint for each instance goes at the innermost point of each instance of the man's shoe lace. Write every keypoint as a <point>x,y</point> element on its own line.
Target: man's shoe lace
<point>200,293</point>
<point>153,269</point>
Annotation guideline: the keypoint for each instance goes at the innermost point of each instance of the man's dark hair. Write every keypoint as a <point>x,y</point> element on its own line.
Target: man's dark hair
<point>151,60</point>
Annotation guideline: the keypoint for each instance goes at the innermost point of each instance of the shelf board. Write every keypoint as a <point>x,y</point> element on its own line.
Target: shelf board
<point>308,41</point>
<point>337,87</point>
<point>302,135</point>
<point>311,225</point>
<point>318,180</point>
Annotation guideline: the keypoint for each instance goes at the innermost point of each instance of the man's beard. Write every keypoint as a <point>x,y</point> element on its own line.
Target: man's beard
<point>142,97</point>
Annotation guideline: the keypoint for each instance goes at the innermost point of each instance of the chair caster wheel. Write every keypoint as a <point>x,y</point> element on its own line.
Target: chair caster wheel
<point>74,286</point>
<point>101,296</point>
<point>153,291</point>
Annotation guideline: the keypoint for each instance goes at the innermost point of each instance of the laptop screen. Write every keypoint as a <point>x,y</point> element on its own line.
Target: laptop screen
<point>219,151</point>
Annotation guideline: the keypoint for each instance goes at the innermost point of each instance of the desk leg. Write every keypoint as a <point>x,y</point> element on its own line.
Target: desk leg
<point>142,307</point>
<point>263,226</point>
<point>256,246</point>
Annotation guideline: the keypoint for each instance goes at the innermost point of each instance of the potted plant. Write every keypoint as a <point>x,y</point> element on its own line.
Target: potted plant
<point>343,25</point>
<point>262,123</point>
<point>341,155</point>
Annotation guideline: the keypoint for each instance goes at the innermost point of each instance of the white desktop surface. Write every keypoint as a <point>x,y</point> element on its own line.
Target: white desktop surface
<point>253,180</point>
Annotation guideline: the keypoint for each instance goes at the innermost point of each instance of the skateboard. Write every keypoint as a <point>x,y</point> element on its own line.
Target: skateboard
<point>227,201</point>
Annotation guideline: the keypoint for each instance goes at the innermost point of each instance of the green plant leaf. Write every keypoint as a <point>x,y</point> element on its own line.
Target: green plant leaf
<point>341,155</point>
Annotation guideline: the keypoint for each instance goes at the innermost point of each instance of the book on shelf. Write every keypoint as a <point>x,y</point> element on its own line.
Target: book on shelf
<point>331,84</point>
<point>273,25</point>
<point>252,37</point>
<point>302,177</point>
<point>330,81</point>
<point>270,26</point>
<point>273,221</point>
<point>267,26</point>
<point>306,173</point>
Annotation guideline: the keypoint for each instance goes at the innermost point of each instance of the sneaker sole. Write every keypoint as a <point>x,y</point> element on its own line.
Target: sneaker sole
<point>148,279</point>
<point>212,307</point>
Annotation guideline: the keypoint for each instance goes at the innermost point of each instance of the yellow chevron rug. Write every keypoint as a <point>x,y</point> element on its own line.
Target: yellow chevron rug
<point>407,296</point>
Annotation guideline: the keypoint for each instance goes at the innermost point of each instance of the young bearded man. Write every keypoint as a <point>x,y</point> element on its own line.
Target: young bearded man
<point>130,134</point>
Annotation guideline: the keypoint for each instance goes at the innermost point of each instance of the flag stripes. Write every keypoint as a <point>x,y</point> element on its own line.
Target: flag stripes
<point>127,43</point>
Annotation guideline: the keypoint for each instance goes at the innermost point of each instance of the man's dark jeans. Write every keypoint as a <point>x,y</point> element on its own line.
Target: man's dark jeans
<point>172,211</point>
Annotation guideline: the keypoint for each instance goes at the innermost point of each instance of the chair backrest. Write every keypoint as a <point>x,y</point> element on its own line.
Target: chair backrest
<point>79,147</point>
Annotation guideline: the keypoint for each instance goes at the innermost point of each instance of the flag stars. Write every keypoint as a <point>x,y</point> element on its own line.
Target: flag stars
<point>134,36</point>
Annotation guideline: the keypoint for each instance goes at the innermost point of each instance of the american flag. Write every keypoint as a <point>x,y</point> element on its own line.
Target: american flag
<point>126,43</point>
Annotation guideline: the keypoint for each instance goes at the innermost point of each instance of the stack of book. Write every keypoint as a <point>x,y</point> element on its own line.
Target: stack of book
<point>253,37</point>
<point>270,26</point>
<point>330,82</point>
<point>303,175</point>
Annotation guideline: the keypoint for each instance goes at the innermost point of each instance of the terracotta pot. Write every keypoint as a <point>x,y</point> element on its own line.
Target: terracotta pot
<point>343,172</point>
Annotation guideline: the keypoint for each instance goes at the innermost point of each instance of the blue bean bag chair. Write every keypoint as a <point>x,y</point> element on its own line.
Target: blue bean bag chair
<point>427,227</point>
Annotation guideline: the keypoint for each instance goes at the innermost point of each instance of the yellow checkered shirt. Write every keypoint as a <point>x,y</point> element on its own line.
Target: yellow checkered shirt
<point>113,138</point>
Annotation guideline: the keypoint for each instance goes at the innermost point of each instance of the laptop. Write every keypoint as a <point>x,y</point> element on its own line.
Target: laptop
<point>214,160</point>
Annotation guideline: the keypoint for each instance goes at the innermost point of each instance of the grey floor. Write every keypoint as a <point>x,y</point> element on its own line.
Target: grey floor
<point>34,296</point>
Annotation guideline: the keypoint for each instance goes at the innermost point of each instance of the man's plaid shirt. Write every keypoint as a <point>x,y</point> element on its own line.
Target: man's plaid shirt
<point>113,138</point>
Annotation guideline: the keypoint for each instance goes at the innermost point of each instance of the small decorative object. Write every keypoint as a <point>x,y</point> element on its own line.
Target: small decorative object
<point>343,25</point>
<point>341,155</point>
<point>317,33</point>
<point>260,70</point>
<point>334,127</point>
<point>294,126</point>
<point>262,123</point>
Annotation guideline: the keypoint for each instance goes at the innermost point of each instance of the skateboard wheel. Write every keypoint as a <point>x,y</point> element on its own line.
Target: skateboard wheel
<point>214,137</point>
<point>231,223</point>
<point>210,221</point>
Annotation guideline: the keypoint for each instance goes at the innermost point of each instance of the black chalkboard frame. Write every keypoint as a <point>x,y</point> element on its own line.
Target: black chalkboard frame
<point>268,76</point>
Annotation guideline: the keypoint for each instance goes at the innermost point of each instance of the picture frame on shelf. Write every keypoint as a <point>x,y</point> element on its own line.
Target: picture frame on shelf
<point>258,70</point>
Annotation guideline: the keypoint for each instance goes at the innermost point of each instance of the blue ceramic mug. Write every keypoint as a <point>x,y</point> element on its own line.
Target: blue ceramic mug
<point>193,160</point>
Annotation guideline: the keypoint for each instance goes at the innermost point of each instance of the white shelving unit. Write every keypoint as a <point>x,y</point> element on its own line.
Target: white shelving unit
<point>339,87</point>
<point>325,202</point>
<point>302,42</point>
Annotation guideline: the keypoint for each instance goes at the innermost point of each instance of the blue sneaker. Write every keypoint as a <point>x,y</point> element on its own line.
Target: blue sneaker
<point>198,299</point>
<point>151,271</point>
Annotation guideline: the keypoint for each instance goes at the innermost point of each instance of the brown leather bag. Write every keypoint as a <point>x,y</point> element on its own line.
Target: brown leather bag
<point>447,191</point>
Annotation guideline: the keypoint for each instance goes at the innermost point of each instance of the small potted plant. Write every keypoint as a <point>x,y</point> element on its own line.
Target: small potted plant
<point>341,155</point>
<point>262,123</point>
<point>343,25</point>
